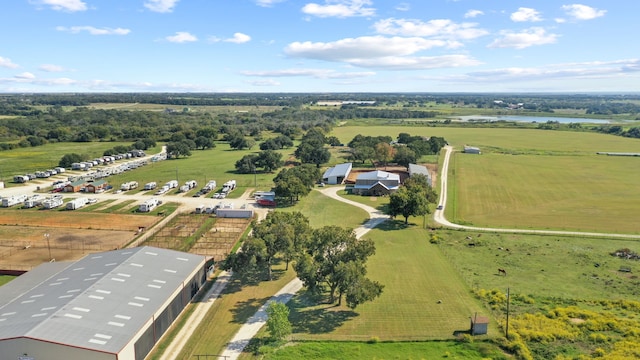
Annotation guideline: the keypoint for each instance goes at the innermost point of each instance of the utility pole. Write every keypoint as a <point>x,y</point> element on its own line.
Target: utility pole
<point>46,236</point>
<point>507,326</point>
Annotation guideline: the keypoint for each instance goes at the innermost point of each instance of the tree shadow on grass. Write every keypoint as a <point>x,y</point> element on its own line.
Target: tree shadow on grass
<point>392,225</point>
<point>252,277</point>
<point>245,309</point>
<point>307,317</point>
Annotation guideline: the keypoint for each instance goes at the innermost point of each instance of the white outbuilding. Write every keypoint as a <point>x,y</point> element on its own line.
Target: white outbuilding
<point>337,174</point>
<point>113,305</point>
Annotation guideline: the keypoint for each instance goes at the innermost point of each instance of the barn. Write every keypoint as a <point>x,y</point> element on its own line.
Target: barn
<point>112,305</point>
<point>415,169</point>
<point>337,174</point>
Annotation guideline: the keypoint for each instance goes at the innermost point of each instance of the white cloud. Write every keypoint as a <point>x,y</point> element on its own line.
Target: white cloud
<point>267,3</point>
<point>439,28</point>
<point>314,73</point>
<point>239,38</point>
<point>526,15</point>
<point>50,68</point>
<point>93,30</point>
<point>340,8</point>
<point>181,37</point>
<point>64,5</point>
<point>378,52</point>
<point>4,62</point>
<point>582,12</point>
<point>403,7</point>
<point>584,70</point>
<point>416,62</point>
<point>161,6</point>
<point>265,82</point>
<point>473,13</point>
<point>362,47</point>
<point>524,39</point>
<point>25,75</point>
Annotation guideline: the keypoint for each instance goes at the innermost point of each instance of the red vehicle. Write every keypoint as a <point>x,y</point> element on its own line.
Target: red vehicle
<point>266,202</point>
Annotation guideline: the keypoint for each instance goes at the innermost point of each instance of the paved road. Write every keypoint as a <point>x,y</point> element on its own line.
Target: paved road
<point>440,218</point>
<point>259,319</point>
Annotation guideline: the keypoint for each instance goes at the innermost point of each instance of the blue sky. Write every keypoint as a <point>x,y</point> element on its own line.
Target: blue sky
<point>319,46</point>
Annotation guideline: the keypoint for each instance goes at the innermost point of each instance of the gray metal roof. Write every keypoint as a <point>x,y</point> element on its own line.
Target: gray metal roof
<point>418,169</point>
<point>378,175</point>
<point>338,170</point>
<point>99,302</point>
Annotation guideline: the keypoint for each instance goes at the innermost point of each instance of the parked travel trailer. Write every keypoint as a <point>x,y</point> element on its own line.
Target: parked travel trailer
<point>148,205</point>
<point>228,186</point>
<point>13,200</point>
<point>52,202</point>
<point>129,186</point>
<point>200,209</point>
<point>77,203</point>
<point>33,201</point>
<point>150,186</point>
<point>20,178</point>
<point>172,184</point>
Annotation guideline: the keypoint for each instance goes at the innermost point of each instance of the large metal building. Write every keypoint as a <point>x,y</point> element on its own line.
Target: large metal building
<point>113,305</point>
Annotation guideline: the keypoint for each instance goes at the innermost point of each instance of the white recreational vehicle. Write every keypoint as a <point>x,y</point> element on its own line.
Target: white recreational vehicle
<point>148,205</point>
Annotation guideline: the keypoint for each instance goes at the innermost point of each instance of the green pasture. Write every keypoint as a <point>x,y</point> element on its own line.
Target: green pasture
<point>544,266</point>
<point>324,211</point>
<point>387,350</point>
<point>424,297</point>
<point>203,165</point>
<point>27,160</point>
<point>502,140</point>
<point>593,193</point>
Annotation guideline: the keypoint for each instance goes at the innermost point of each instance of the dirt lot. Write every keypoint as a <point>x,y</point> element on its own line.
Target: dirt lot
<point>23,243</point>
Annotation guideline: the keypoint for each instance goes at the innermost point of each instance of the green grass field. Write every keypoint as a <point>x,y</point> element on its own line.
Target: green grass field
<point>39,158</point>
<point>323,211</point>
<point>405,350</point>
<point>583,193</point>
<point>416,275</point>
<point>551,266</point>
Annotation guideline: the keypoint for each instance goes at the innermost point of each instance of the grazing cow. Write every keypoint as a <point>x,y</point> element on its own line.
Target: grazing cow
<point>502,272</point>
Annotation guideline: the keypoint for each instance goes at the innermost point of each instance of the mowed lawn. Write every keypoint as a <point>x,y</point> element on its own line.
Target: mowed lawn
<point>322,211</point>
<point>416,276</point>
<point>583,193</point>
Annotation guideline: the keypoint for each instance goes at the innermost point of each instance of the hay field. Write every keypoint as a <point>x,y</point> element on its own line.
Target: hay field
<point>582,193</point>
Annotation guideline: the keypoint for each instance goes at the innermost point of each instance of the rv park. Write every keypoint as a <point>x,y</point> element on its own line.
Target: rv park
<point>524,231</point>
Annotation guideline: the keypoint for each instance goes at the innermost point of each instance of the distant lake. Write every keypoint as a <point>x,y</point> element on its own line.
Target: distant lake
<point>530,119</point>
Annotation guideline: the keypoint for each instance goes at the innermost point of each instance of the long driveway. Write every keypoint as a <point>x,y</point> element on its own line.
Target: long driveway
<point>259,319</point>
<point>440,218</point>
